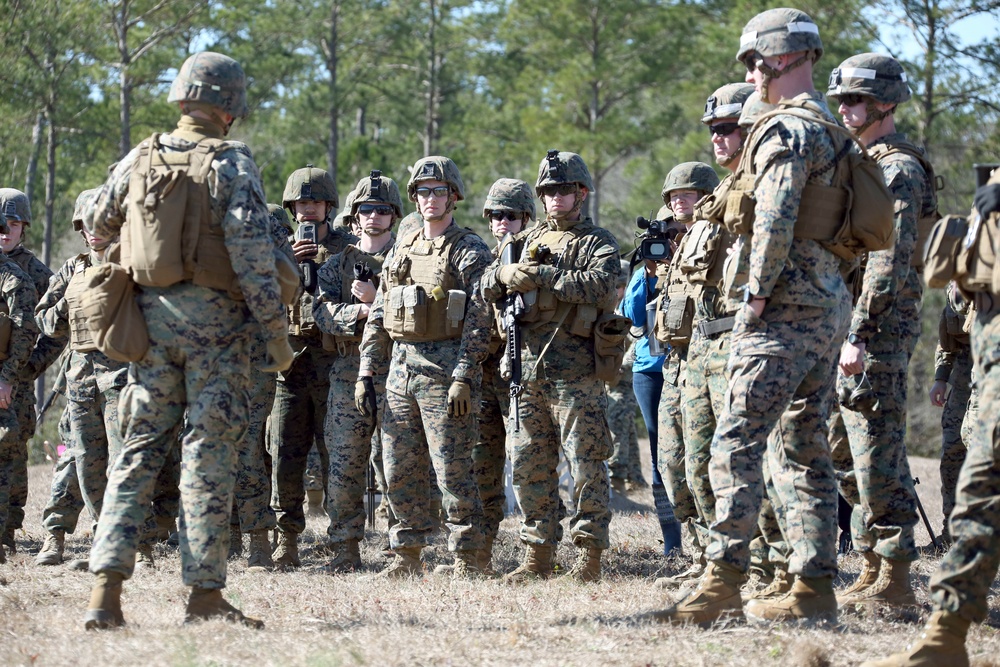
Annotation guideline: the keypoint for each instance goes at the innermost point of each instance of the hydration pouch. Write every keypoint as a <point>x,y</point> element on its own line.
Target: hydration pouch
<point>740,204</point>
<point>609,345</point>
<point>941,252</point>
<point>415,310</point>
<point>456,310</point>
<point>112,314</point>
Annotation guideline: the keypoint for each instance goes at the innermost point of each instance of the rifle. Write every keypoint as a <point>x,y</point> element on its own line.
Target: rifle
<point>512,308</point>
<point>370,491</point>
<point>58,387</point>
<point>923,514</point>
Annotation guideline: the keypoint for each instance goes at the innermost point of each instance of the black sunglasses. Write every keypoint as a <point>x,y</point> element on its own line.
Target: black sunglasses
<point>439,191</point>
<point>498,214</point>
<point>377,209</point>
<point>561,189</point>
<point>851,99</point>
<point>723,129</point>
<point>752,60</point>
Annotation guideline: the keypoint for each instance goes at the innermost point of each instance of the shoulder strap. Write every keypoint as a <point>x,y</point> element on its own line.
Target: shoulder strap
<point>803,112</point>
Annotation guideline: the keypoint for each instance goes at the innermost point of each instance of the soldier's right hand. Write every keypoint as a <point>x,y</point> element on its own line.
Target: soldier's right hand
<point>279,356</point>
<point>364,396</point>
<point>939,393</point>
<point>519,277</point>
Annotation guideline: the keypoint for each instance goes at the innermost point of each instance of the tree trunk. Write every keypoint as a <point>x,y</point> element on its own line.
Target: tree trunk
<point>359,120</point>
<point>433,64</point>
<point>31,176</point>
<point>50,196</point>
<point>332,147</point>
<point>125,99</point>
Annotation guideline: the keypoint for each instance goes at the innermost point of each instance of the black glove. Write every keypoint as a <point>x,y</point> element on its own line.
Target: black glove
<point>364,397</point>
<point>987,199</point>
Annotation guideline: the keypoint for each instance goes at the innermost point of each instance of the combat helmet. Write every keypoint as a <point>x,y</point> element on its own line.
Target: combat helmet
<point>279,218</point>
<point>779,31</point>
<point>15,205</point>
<point>870,74</point>
<point>345,219</point>
<point>753,109</point>
<point>212,78</point>
<point>378,189</point>
<point>511,194</point>
<point>690,176</point>
<point>726,102</point>
<point>84,201</point>
<point>558,167</point>
<point>310,184</point>
<point>435,168</point>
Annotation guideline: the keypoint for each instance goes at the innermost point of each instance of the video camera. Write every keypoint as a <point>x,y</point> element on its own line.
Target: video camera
<point>656,238</point>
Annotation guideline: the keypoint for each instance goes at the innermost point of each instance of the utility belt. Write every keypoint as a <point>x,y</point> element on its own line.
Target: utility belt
<point>709,328</point>
<point>342,345</point>
<point>542,307</point>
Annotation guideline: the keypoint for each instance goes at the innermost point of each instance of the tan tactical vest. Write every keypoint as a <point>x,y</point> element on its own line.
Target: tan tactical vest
<point>542,305</point>
<point>80,338</point>
<point>169,235</point>
<point>352,255</point>
<point>300,313</point>
<point>925,223</point>
<point>421,303</point>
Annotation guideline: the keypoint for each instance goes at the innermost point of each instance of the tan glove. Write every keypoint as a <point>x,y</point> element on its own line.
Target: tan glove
<point>279,356</point>
<point>459,398</point>
<point>364,396</point>
<point>519,277</point>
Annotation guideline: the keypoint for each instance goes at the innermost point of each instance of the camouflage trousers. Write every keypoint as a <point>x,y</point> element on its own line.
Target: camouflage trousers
<point>418,436</point>
<point>782,375</point>
<point>25,413</point>
<point>294,427</point>
<point>568,411</point>
<point>198,361</point>
<point>670,444</point>
<point>489,456</point>
<point>252,494</point>
<point>13,456</point>
<point>349,443</point>
<point>962,581</point>
<point>953,442</point>
<point>93,434</point>
<point>317,464</point>
<point>882,494</point>
<point>622,406</point>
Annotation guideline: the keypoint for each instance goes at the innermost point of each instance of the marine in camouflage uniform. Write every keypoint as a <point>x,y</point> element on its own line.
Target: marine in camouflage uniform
<point>782,347</point>
<point>960,587</point>
<point>429,312</point>
<point>252,511</point>
<point>17,210</point>
<point>299,412</point>
<point>93,386</point>
<point>883,331</point>
<point>343,302</point>
<point>197,359</point>
<point>18,298</point>
<point>622,407</point>
<point>562,403</point>
<point>952,367</point>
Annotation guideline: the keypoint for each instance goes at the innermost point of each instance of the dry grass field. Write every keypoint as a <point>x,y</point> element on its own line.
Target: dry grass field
<point>317,619</point>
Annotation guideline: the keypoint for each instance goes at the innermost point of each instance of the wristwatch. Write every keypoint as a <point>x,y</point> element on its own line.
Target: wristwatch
<point>855,339</point>
<point>749,296</point>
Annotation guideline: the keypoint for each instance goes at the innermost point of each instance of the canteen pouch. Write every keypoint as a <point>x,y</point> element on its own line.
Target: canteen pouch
<point>609,345</point>
<point>112,314</point>
<point>941,252</point>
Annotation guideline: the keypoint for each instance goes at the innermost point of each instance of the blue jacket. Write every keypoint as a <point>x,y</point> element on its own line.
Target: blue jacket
<point>640,290</point>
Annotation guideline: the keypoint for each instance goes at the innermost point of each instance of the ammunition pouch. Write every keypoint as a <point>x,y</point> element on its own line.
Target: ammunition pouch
<point>610,331</point>
<point>116,324</point>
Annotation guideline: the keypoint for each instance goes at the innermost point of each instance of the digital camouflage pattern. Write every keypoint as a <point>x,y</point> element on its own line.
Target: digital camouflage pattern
<point>510,194</point>
<point>417,432</point>
<point>563,167</point>
<point>870,74</point>
<point>782,366</point>
<point>563,404</point>
<point>689,176</point>
<point>197,362</point>
<point>679,503</point>
<point>961,582</point>
<point>375,189</point>
<point>93,386</point>
<point>778,31</point>
<point>18,291</point>
<point>309,184</point>
<point>726,102</point>
<point>212,78</point>
<point>885,518</point>
<point>348,433</point>
<point>15,205</point>
<point>435,168</point>
<point>622,407</point>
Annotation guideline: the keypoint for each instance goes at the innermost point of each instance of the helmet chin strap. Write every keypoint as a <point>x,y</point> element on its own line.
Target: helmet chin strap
<point>732,156</point>
<point>771,74</point>
<point>872,116</point>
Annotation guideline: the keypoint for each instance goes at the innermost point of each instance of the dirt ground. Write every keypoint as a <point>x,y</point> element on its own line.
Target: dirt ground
<point>317,619</point>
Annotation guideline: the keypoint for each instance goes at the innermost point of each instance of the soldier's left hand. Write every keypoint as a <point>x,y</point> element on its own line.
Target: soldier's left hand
<point>5,392</point>
<point>852,359</point>
<point>363,291</point>
<point>519,277</point>
<point>459,398</point>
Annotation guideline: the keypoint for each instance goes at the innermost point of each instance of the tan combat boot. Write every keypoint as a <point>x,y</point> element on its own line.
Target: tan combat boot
<point>892,588</point>
<point>406,563</point>
<point>689,576</point>
<point>587,567</point>
<point>105,609</point>
<point>486,557</point>
<point>144,557</point>
<point>941,644</point>
<point>286,554</point>
<point>315,499</point>
<point>717,598</point>
<point>618,487</point>
<point>344,557</point>
<point>206,604</point>
<point>537,564</point>
<point>235,541</point>
<point>867,578</point>
<point>780,584</point>
<point>259,558</point>
<point>810,598</point>
<point>52,549</point>
<point>9,541</point>
<point>466,564</point>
